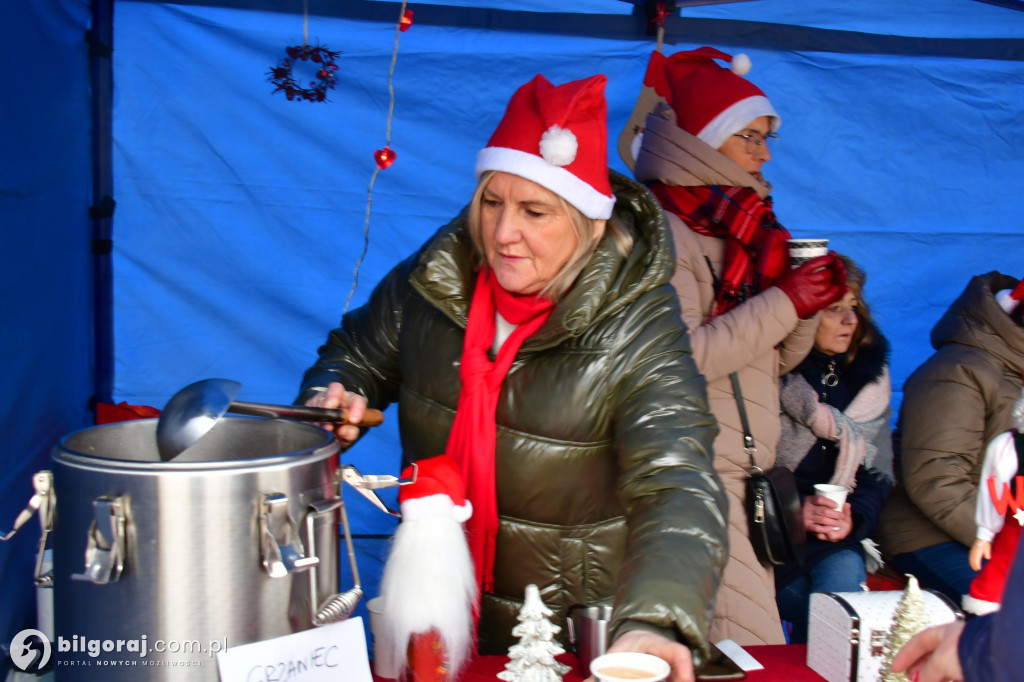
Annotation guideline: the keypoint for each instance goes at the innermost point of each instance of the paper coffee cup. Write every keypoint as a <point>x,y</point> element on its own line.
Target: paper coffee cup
<point>381,666</point>
<point>836,493</point>
<point>628,666</point>
<point>803,250</point>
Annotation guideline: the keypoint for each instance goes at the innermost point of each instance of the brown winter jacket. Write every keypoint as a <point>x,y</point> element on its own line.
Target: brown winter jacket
<point>953,405</point>
<point>605,483</point>
<point>761,339</point>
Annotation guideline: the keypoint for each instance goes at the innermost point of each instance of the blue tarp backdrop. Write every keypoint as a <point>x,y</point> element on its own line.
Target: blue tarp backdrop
<point>240,216</point>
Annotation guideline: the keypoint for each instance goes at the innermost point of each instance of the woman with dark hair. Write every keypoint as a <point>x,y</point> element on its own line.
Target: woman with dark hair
<point>835,429</point>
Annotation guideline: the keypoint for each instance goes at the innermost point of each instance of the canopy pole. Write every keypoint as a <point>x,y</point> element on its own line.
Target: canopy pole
<point>101,213</point>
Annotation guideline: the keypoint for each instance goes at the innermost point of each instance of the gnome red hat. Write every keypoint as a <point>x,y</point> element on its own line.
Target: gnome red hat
<point>1009,299</point>
<point>556,136</point>
<point>438,490</point>
<point>710,101</point>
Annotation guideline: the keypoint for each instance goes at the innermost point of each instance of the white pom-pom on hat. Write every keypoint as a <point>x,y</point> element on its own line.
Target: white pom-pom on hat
<point>558,146</point>
<point>740,64</point>
<point>710,101</point>
<point>557,137</point>
<point>1009,299</point>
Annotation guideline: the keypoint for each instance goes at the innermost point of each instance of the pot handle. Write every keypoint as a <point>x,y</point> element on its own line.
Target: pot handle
<point>105,547</point>
<point>279,546</point>
<point>338,606</point>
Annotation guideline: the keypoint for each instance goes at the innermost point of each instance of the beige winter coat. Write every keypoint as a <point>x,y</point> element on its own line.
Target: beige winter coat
<point>760,339</point>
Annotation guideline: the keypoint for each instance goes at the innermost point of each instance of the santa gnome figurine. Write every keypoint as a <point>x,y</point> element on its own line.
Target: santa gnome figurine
<point>999,510</point>
<point>429,589</point>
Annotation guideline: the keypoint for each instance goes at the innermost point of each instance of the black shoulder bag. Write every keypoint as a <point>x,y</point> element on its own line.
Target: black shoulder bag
<point>773,503</point>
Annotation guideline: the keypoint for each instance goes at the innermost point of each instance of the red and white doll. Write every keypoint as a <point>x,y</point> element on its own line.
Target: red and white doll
<point>429,588</point>
<point>999,514</point>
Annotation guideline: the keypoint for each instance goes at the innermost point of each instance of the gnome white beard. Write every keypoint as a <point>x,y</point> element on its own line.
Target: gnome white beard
<point>429,584</point>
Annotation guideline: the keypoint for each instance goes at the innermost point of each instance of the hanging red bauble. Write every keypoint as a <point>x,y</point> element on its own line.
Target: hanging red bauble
<point>406,21</point>
<point>385,157</point>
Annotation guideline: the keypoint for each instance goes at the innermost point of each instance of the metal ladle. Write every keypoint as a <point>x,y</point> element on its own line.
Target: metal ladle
<point>195,409</point>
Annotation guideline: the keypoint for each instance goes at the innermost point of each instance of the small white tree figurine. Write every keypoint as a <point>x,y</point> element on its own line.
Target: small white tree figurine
<point>908,620</point>
<point>533,658</point>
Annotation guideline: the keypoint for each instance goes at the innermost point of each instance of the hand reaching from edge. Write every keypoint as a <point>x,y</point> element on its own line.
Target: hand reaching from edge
<point>931,655</point>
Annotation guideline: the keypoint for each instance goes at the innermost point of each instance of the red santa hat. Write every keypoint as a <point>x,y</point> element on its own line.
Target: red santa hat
<point>437,490</point>
<point>1009,299</point>
<point>556,136</point>
<point>710,101</point>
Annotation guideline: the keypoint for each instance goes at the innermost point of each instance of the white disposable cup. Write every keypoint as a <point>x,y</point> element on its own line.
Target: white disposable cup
<point>803,250</point>
<point>657,669</point>
<point>381,667</point>
<point>836,493</point>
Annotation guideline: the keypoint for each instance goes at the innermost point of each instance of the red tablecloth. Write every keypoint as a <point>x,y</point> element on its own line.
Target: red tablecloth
<point>783,662</point>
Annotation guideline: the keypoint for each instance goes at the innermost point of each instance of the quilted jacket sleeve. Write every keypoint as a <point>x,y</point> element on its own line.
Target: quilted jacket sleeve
<point>674,501</point>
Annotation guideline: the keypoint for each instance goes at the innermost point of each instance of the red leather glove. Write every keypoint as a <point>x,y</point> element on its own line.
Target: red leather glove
<point>815,285</point>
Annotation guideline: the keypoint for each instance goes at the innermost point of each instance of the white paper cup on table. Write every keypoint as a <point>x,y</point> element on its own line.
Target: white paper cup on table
<point>803,250</point>
<point>381,666</point>
<point>628,666</point>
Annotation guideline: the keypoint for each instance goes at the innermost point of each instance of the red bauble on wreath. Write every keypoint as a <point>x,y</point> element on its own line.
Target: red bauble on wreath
<point>281,75</point>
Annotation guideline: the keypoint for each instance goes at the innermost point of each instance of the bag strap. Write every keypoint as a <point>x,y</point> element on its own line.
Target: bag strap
<point>748,440</point>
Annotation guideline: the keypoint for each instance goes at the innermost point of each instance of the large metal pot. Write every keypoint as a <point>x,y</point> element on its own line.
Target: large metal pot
<point>234,541</point>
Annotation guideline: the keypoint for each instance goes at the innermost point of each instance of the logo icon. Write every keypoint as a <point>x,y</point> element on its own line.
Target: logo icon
<point>30,650</point>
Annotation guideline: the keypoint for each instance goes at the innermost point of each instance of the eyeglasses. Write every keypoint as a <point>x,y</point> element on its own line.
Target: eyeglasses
<point>756,140</point>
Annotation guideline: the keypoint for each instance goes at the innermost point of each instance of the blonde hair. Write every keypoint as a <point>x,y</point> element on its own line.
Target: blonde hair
<point>586,240</point>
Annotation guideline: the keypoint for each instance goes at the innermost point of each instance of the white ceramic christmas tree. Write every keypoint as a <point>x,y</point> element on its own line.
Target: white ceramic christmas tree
<point>533,658</point>
<point>909,619</point>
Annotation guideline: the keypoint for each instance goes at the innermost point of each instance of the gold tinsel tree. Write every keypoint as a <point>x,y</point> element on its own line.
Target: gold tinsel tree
<point>909,619</point>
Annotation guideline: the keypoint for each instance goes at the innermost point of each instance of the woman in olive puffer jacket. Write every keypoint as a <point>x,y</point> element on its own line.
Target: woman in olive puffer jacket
<point>606,492</point>
<point>605,483</point>
<point>536,341</point>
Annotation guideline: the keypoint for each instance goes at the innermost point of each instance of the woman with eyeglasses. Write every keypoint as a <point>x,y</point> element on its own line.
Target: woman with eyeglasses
<point>704,142</point>
<point>835,430</point>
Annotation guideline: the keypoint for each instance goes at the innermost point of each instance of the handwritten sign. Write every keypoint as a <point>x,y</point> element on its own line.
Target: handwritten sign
<point>334,653</point>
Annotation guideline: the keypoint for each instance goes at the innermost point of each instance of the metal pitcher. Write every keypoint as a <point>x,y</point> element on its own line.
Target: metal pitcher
<point>588,633</point>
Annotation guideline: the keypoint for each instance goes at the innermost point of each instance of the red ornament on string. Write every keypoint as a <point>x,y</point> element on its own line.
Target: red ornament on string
<point>406,21</point>
<point>385,157</point>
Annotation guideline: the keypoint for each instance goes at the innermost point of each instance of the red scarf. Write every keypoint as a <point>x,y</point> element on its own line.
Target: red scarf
<point>755,248</point>
<point>471,441</point>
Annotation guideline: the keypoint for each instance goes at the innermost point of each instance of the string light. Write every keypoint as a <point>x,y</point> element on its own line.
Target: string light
<point>383,157</point>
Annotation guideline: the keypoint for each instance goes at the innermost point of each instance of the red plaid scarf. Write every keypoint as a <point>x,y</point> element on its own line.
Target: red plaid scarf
<point>755,250</point>
<point>471,440</point>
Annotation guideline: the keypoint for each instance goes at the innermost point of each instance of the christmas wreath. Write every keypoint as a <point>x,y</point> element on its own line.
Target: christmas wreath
<point>281,75</point>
